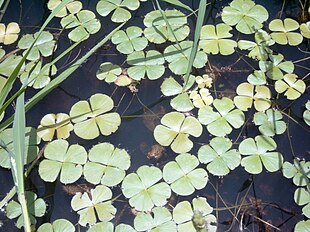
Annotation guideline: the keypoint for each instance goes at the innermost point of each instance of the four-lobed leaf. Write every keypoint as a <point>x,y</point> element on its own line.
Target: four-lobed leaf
<point>248,93</point>
<point>150,64</point>
<point>290,86</point>
<point>36,208</point>
<point>129,41</point>
<point>91,118</point>
<point>84,23</point>
<point>220,123</point>
<point>282,32</point>
<point>108,72</point>
<point>44,46</point>
<point>144,188</point>
<point>183,175</point>
<point>270,122</point>
<point>57,226</point>
<point>258,153</point>
<point>107,165</point>
<point>306,114</point>
<point>175,130</point>
<point>178,55</point>
<point>51,123</point>
<point>158,30</point>
<point>64,160</point>
<point>95,206</point>
<point>214,39</point>
<point>9,33</point>
<point>305,29</point>
<point>109,227</point>
<point>299,171</point>
<point>246,15</point>
<point>70,8</point>
<point>159,219</point>
<point>302,198</point>
<point>189,216</point>
<point>219,156</point>
<point>119,9</point>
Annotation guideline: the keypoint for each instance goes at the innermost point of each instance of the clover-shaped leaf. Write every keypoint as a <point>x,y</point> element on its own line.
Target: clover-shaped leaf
<point>108,72</point>
<point>306,114</point>
<point>290,86</point>
<point>32,71</point>
<point>7,66</point>
<point>189,217</point>
<point>275,66</point>
<point>9,33</point>
<point>201,98</point>
<point>31,146</point>
<point>57,226</point>
<point>246,15</point>
<point>302,226</point>
<point>305,29</point>
<point>44,45</point>
<point>213,39</point>
<point>219,156</point>
<point>260,48</point>
<point>203,81</point>
<point>159,219</point>
<point>84,23</point>
<point>157,29</point>
<point>109,227</point>
<point>248,93</point>
<point>270,123</point>
<point>129,41</point>
<point>95,206</point>
<point>36,208</point>
<point>144,189</point>
<point>220,123</point>
<point>51,123</point>
<point>70,8</point>
<point>258,153</point>
<point>120,14</point>
<point>91,119</point>
<point>178,57</point>
<point>107,165</point>
<point>175,131</point>
<point>64,159</point>
<point>149,64</point>
<point>257,78</point>
<point>181,102</point>
<point>302,197</point>
<point>299,171</point>
<point>282,31</point>
<point>183,175</point>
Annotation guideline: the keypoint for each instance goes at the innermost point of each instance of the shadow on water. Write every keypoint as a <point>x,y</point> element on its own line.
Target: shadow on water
<point>255,202</point>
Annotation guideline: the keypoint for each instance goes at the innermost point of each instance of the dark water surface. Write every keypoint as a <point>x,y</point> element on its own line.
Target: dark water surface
<point>269,196</point>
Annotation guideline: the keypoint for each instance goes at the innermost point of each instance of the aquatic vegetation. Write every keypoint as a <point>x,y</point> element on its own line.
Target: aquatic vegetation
<point>260,152</point>
<point>84,23</point>
<point>9,34</point>
<point>36,207</point>
<point>219,156</point>
<point>57,225</point>
<point>184,176</point>
<point>159,219</point>
<point>213,63</point>
<point>269,123</point>
<point>196,216</point>
<point>214,39</point>
<point>97,206</point>
<point>129,41</point>
<point>175,130</point>
<point>93,116</point>
<point>64,160</point>
<point>107,165</point>
<point>220,123</point>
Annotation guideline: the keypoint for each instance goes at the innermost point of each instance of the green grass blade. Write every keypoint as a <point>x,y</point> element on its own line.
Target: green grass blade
<point>61,77</point>
<point>179,4</point>
<point>17,158</point>
<point>10,81</point>
<point>200,18</point>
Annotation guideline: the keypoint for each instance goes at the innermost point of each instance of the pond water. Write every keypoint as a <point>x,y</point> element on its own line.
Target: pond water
<point>267,198</point>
